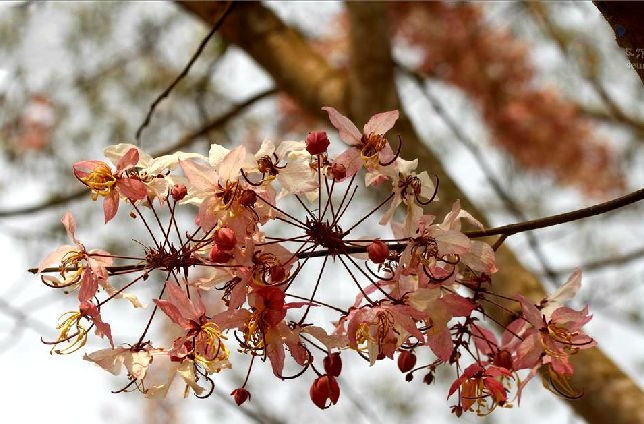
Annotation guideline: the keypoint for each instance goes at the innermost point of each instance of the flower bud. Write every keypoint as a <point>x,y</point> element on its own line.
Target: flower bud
<point>378,251</point>
<point>317,142</point>
<point>325,388</point>
<point>337,171</point>
<point>240,395</point>
<point>429,378</point>
<point>219,256</point>
<point>178,192</point>
<point>406,361</point>
<point>333,364</point>
<point>225,238</point>
<point>503,359</point>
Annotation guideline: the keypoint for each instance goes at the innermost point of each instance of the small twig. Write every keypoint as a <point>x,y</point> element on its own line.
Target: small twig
<point>505,230</point>
<point>604,263</point>
<point>561,218</point>
<point>59,200</point>
<point>183,73</point>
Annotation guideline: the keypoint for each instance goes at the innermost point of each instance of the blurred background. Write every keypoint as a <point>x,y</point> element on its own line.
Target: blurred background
<point>531,107</point>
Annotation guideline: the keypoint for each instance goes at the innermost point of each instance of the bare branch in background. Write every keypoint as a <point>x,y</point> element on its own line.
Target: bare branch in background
<point>59,200</point>
<point>184,72</point>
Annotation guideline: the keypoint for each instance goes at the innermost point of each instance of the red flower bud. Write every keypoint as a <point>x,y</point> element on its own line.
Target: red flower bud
<point>406,361</point>
<point>337,171</point>
<point>225,238</point>
<point>333,364</point>
<point>325,388</point>
<point>378,251</point>
<point>178,192</point>
<point>218,256</point>
<point>317,142</point>
<point>429,378</point>
<point>503,359</point>
<point>240,395</point>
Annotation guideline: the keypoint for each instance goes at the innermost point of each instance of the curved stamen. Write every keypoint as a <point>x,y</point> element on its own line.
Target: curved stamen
<point>396,156</point>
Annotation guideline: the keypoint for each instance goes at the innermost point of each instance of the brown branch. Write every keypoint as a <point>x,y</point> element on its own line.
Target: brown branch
<point>506,230</point>
<point>561,218</point>
<point>617,260</point>
<point>281,51</point>
<point>185,70</point>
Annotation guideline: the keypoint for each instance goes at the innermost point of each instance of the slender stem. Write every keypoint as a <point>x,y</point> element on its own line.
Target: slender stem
<point>184,72</point>
<point>561,218</point>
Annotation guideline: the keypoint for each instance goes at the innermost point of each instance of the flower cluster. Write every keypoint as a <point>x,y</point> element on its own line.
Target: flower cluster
<point>417,295</point>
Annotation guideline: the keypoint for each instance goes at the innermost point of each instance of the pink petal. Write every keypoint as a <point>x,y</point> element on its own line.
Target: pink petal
<point>177,295</point>
<point>55,256</point>
<point>202,177</point>
<point>111,360</point>
<point>349,133</point>
<point>88,286</point>
<point>132,188</point>
<point>351,160</point>
<point>110,205</point>
<point>441,344</point>
<point>484,340</point>
<point>173,313</point>
<point>275,351</point>
<point>84,168</point>
<point>232,163</point>
<point>380,123</point>
<point>129,159</point>
<point>70,226</point>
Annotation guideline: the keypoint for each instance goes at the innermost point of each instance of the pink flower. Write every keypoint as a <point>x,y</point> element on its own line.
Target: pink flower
<point>103,182</point>
<point>203,336</point>
<point>317,142</point>
<point>382,328</point>
<point>136,361</point>
<point>483,387</point>
<point>77,265</point>
<point>369,147</point>
<point>437,310</point>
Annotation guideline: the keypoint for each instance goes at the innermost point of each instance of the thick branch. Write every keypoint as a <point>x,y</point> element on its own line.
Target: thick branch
<point>280,50</point>
<point>610,395</point>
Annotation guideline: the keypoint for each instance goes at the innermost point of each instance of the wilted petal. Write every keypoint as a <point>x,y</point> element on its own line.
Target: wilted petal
<point>110,360</point>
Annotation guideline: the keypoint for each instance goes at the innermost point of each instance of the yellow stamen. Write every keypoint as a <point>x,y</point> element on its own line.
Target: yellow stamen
<point>210,336</point>
<point>71,262</point>
<point>70,322</point>
<point>101,181</point>
<point>253,333</point>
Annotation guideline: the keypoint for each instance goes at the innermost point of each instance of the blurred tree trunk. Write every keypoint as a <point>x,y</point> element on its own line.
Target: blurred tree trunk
<point>368,87</point>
